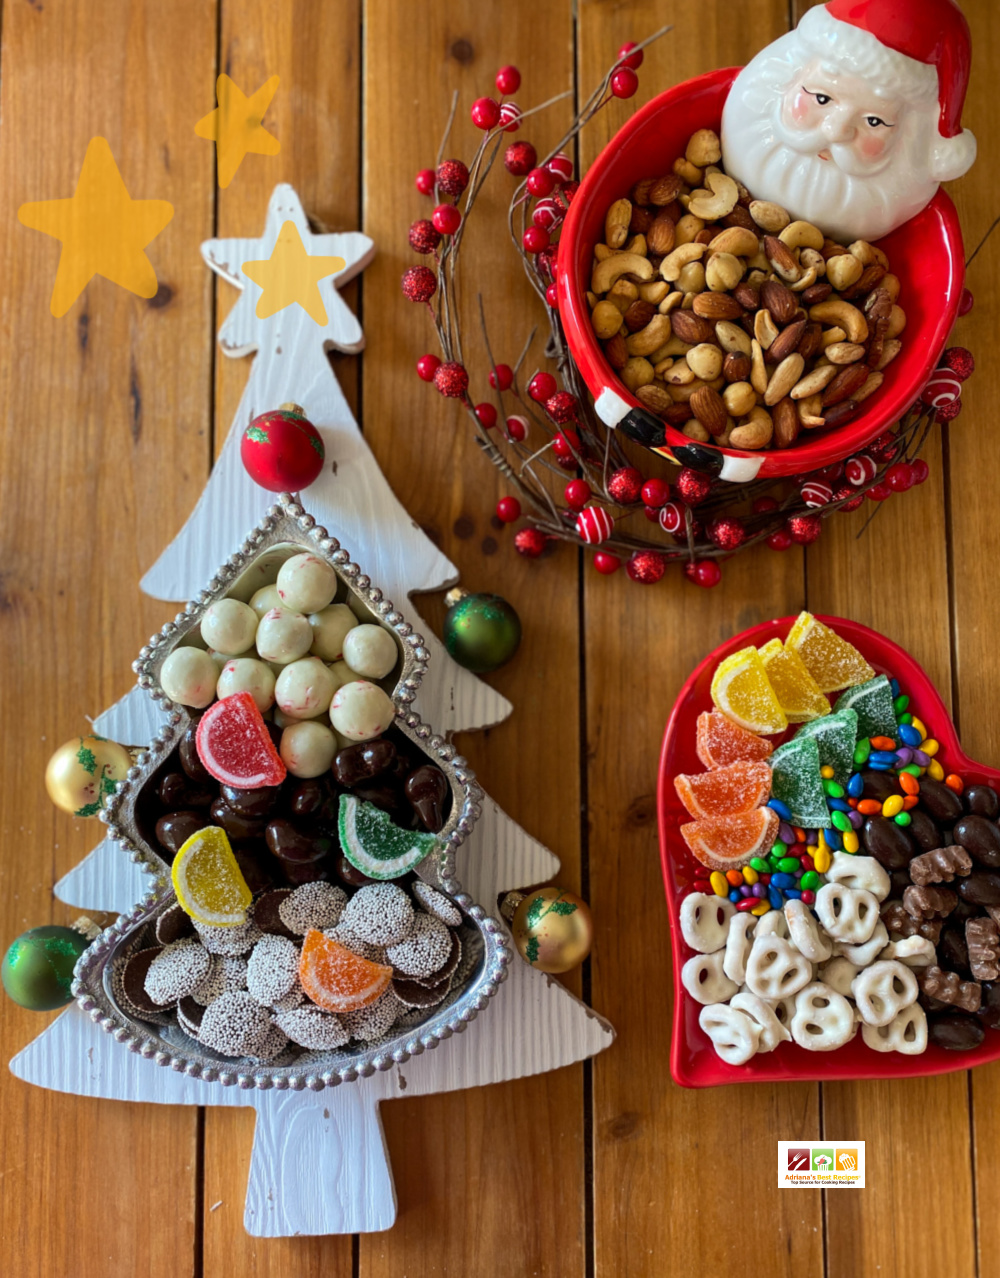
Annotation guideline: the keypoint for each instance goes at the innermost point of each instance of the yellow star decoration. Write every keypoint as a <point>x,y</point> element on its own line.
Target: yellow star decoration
<point>102,229</point>
<point>291,275</point>
<point>235,126</point>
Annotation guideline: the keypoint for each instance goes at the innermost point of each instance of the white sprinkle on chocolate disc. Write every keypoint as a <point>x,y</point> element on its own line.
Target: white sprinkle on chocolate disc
<point>293,998</point>
<point>424,951</point>
<point>234,972</point>
<point>273,968</point>
<point>379,913</point>
<point>309,1027</point>
<point>235,1025</point>
<point>179,970</point>
<point>229,940</point>
<point>214,983</point>
<point>313,905</point>
<point>364,949</point>
<point>375,1020</point>
<point>189,1014</point>
<point>436,903</point>
<point>274,1044</point>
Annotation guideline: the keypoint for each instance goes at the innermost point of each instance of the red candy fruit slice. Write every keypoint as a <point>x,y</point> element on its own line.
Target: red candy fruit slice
<point>726,791</point>
<point>725,843</point>
<point>722,742</point>
<point>235,746</point>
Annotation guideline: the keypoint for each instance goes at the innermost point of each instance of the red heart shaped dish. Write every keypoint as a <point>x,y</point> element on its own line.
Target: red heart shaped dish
<point>831,861</point>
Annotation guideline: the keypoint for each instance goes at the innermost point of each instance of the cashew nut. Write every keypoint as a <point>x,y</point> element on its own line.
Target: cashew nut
<point>722,199</point>
<point>807,280</point>
<point>800,235</point>
<point>670,302</point>
<point>754,433</point>
<point>687,171</point>
<point>764,328</point>
<point>732,337</point>
<point>623,293</point>
<point>810,258</point>
<point>614,267</point>
<point>736,240</point>
<point>655,291</point>
<point>784,378</point>
<point>637,244</point>
<point>811,412</point>
<point>843,314</point>
<point>758,370</point>
<point>769,217</point>
<point>863,251</point>
<point>687,228</point>
<point>723,272</point>
<point>602,252</point>
<point>692,278</point>
<point>651,338</point>
<point>843,270</point>
<point>606,319</point>
<point>682,374</point>
<point>673,263</point>
<point>833,335</point>
<point>815,381</point>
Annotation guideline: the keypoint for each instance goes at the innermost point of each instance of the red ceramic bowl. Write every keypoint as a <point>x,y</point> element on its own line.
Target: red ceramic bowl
<point>927,254</point>
<point>693,1061</point>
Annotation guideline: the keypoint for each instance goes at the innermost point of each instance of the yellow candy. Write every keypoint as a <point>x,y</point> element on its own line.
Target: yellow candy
<point>796,689</point>
<point>742,690</point>
<point>916,723</point>
<point>832,661</point>
<point>750,875</point>
<point>822,860</point>
<point>207,879</point>
<point>893,805</point>
<point>935,771</point>
<point>851,843</point>
<point>761,909</point>
<point>930,746</point>
<point>719,882</point>
<point>827,773</point>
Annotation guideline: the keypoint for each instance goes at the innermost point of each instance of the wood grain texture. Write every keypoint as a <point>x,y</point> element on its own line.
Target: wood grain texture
<point>105,445</point>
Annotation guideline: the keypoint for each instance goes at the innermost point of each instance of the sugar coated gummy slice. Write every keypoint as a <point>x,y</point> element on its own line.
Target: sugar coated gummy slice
<point>724,843</point>
<point>336,978</point>
<point>208,882</point>
<point>872,703</point>
<point>374,845</point>
<point>235,746</point>
<point>796,781</point>
<point>741,689</point>
<point>833,662</point>
<point>726,791</point>
<point>797,691</point>
<point>836,737</point>
<point>721,741</point>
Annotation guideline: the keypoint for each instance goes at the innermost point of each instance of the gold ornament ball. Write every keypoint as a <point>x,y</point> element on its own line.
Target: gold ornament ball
<point>553,930</point>
<point>83,772</point>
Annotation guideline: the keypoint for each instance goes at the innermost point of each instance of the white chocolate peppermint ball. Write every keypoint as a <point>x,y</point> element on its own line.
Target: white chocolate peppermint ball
<point>283,636</point>
<point>307,749</point>
<point>220,658</point>
<point>265,599</point>
<point>283,720</point>
<point>304,688</point>
<point>229,626</point>
<point>329,628</point>
<point>306,584</point>
<point>361,710</point>
<point>188,676</point>
<point>247,674</point>
<point>370,651</point>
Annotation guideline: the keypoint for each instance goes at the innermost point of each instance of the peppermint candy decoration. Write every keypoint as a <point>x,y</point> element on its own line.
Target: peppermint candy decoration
<point>816,493</point>
<point>672,517</point>
<point>510,117</point>
<point>860,470</point>
<point>560,166</point>
<point>942,388</point>
<point>594,525</point>
<point>547,214</point>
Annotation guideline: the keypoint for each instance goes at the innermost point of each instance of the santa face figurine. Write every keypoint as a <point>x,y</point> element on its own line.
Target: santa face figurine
<point>853,119</point>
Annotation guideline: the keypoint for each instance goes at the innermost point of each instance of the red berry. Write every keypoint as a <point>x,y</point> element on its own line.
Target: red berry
<point>452,380</point>
<point>577,494</point>
<point>486,415</point>
<point>529,542</point>
<point>520,158</point>
<point>703,572</point>
<point>427,366</point>
<point>651,513</point>
<point>540,182</point>
<point>960,362</point>
<point>510,117</point>
<point>624,83</point>
<point>552,296</point>
<point>452,177</point>
<point>764,505</point>
<point>605,563</point>
<point>508,510</point>
<point>561,407</point>
<point>880,492</point>
<point>625,485</point>
<point>517,428</point>
<point>535,239</point>
<point>560,166</point>
<point>884,446</point>
<point>485,113</point>
<point>629,59</point>
<point>566,446</point>
<point>508,80</point>
<point>850,497</point>
<point>646,567</point>
<point>547,263</point>
<point>804,529</point>
<point>966,302</point>
<point>948,412</point>
<point>656,492</point>
<point>446,219</point>
<point>419,283</point>
<point>919,470</point>
<point>780,540</point>
<point>424,236</point>
<point>727,533</point>
<point>693,486</point>
<point>542,387</point>
<point>425,182</point>
<point>898,477</point>
<point>502,377</point>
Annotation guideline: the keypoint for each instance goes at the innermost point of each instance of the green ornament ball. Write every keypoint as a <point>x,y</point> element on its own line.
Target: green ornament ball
<point>482,632</point>
<point>38,968</point>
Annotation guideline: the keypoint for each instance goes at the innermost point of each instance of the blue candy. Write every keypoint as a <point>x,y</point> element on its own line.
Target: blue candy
<point>894,685</point>
<point>793,894</point>
<point>887,757</point>
<point>834,840</point>
<point>782,809</point>
<point>774,897</point>
<point>734,895</point>
<point>782,880</point>
<point>909,735</point>
<point>856,786</point>
<point>838,805</point>
<point>879,767</point>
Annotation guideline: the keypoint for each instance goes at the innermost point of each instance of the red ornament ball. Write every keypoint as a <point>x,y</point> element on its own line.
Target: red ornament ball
<point>960,361</point>
<point>624,84</point>
<point>652,513</point>
<point>452,380</point>
<point>508,80</point>
<point>560,166</point>
<point>427,366</point>
<point>552,296</point>
<point>764,505</point>
<point>419,283</point>
<point>966,302</point>
<point>508,510</point>
<point>446,219</point>
<point>727,533</point>
<point>425,182</point>
<point>804,529</point>
<point>577,493</point>
<point>606,564</point>
<point>517,428</point>
<point>568,190</point>
<point>780,540</point>
<point>948,412</point>
<point>510,117</point>
<point>282,451</point>
<point>919,470</point>
<point>547,261</point>
<point>851,499</point>
<point>879,492</point>
<point>594,525</point>
<point>529,542</point>
<point>860,470</point>
<point>562,407</point>
<point>693,486</point>
<point>703,572</point>
<point>815,493</point>
<point>629,59</point>
<point>899,477</point>
<point>567,448</point>
<point>540,182</point>
<point>486,415</point>
<point>547,214</point>
<point>535,239</point>
<point>520,158</point>
<point>884,446</point>
<point>646,567</point>
<point>943,387</point>
<point>672,518</point>
<point>485,113</point>
<point>625,485</point>
<point>502,377</point>
<point>655,492</point>
<point>542,387</point>
<point>424,236</point>
<point>452,177</point>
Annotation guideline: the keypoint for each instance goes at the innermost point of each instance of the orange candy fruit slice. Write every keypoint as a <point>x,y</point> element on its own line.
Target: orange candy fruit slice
<point>726,791</point>
<point>725,843</point>
<point>336,978</point>
<point>722,742</point>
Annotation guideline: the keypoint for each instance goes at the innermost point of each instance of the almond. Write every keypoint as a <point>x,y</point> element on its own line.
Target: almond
<point>736,367</point>
<point>843,386</point>
<point>664,190</point>
<point>782,259</point>
<point>661,235</point>
<point>640,192</point>
<point>739,217</point>
<point>640,221</point>
<point>716,306</point>
<point>705,236</point>
<point>780,301</point>
<point>840,414</point>
<point>816,293</point>
<point>654,398</point>
<point>616,352</point>
<point>638,315</point>
<point>748,295</point>
<point>691,328</point>
<point>676,414</point>
<point>876,343</point>
<point>785,417</point>
<point>710,409</point>
<point>870,277</point>
<point>784,344</point>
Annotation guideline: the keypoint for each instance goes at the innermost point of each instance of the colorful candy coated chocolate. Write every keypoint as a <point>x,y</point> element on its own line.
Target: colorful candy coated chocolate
<point>336,978</point>
<point>721,742</point>
<point>741,787</point>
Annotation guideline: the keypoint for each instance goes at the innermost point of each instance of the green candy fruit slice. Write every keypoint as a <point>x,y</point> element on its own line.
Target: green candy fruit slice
<point>873,704</point>
<point>835,736</point>
<point>374,845</point>
<point>796,781</point>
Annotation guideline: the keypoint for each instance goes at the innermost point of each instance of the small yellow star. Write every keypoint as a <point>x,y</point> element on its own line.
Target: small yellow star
<point>235,126</point>
<point>291,275</point>
<point>102,229</point>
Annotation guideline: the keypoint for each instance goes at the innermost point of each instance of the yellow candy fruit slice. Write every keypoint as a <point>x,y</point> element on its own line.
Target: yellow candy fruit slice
<point>741,689</point>
<point>208,882</point>
<point>797,691</point>
<point>833,662</point>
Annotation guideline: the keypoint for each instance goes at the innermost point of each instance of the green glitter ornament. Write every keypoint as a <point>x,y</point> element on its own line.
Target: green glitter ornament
<point>38,968</point>
<point>482,632</point>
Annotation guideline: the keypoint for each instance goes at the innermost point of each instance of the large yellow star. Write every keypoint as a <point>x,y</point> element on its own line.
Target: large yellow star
<point>235,126</point>
<point>291,275</point>
<point>102,229</point>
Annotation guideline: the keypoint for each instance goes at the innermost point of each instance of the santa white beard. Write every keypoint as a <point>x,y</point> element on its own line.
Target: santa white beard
<point>783,165</point>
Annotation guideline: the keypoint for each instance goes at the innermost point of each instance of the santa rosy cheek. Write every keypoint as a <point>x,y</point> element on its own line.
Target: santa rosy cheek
<point>800,108</point>
<point>872,148</point>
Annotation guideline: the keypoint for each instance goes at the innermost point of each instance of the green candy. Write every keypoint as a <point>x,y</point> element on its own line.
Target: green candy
<point>788,865</point>
<point>841,821</point>
<point>902,818</point>
<point>906,718</point>
<point>834,790</point>
<point>760,865</point>
<point>835,735</point>
<point>872,702</point>
<point>38,968</point>
<point>810,880</point>
<point>778,848</point>
<point>796,781</point>
<point>374,845</point>
<point>861,752</point>
<point>912,769</point>
<point>900,704</point>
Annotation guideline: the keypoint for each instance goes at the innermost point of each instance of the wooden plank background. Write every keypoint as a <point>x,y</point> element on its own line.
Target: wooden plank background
<point>111,416</point>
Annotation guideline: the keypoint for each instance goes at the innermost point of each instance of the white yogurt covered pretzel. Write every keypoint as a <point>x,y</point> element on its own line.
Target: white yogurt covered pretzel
<point>738,947</point>
<point>823,1020</point>
<point>775,969</point>
<point>906,1033</point>
<point>773,923</point>
<point>914,951</point>
<point>883,990</point>
<point>839,973</point>
<point>868,951</point>
<point>705,981</point>
<point>860,872</point>
<point>734,1035</point>
<point>772,1031</point>
<point>848,914</point>
<point>804,932</point>
<point>705,921</point>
